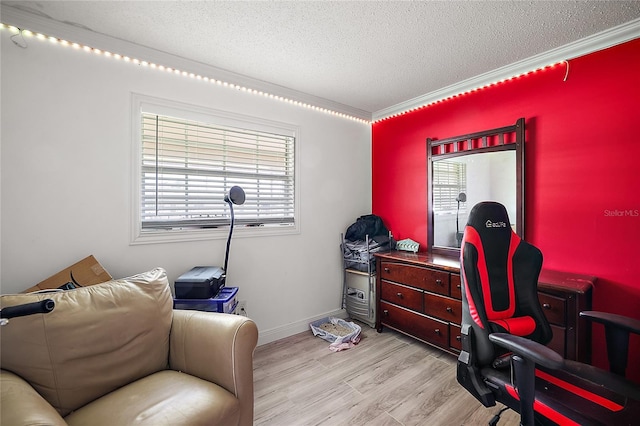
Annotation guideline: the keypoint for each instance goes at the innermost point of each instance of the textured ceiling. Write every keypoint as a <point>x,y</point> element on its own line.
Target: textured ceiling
<point>368,55</point>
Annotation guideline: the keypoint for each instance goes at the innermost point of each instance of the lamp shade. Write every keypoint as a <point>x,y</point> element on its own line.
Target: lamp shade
<point>235,195</point>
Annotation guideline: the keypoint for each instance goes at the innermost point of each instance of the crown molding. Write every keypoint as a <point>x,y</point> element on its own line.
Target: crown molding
<point>602,40</point>
<point>72,33</point>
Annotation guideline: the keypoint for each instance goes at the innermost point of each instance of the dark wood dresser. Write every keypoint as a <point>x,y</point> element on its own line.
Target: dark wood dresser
<point>419,294</point>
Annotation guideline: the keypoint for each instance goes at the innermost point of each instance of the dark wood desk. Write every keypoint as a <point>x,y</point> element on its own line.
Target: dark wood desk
<point>419,294</point>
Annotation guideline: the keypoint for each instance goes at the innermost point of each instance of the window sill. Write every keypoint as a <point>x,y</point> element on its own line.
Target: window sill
<point>161,236</point>
<point>450,213</point>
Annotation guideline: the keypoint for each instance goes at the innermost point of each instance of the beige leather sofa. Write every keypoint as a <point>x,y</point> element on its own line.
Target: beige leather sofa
<point>118,354</point>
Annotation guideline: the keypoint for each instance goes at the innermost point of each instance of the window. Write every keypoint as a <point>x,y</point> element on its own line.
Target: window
<point>449,180</point>
<point>188,161</point>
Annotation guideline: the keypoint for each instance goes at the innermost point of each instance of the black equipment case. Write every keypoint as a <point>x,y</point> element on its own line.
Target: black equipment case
<point>201,282</point>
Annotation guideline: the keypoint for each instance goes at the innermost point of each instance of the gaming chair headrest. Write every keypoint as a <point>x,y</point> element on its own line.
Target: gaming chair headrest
<point>490,220</point>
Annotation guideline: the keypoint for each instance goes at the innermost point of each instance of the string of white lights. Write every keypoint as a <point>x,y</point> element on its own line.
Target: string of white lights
<point>39,36</point>
<point>474,90</point>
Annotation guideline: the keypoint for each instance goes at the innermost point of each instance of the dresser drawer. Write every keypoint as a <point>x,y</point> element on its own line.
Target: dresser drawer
<point>456,286</point>
<point>553,308</point>
<point>444,308</point>
<point>424,278</point>
<point>557,342</point>
<point>418,325</point>
<point>402,295</point>
<point>455,337</point>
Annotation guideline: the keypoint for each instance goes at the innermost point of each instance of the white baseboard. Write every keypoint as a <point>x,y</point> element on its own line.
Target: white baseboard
<point>268,336</point>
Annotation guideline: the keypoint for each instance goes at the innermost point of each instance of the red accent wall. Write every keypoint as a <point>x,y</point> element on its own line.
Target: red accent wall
<point>582,170</point>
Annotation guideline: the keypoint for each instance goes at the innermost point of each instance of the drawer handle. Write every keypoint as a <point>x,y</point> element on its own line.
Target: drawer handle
<point>385,313</point>
<point>458,338</point>
<point>437,331</point>
<point>459,286</point>
<point>449,309</point>
<point>439,282</point>
<point>546,306</point>
<point>387,270</point>
<point>399,295</point>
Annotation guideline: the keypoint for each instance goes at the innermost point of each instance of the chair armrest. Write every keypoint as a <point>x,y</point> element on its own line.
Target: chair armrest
<point>617,329</point>
<point>528,349</point>
<point>619,321</point>
<point>218,348</point>
<point>22,405</point>
<point>527,353</point>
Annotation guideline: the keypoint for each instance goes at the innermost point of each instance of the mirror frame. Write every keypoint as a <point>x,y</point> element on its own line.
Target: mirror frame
<point>476,143</point>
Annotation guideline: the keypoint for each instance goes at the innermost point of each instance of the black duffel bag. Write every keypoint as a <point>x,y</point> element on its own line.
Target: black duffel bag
<point>369,224</point>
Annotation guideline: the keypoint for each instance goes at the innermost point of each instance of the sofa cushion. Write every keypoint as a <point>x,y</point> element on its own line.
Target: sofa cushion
<point>96,340</point>
<point>164,398</point>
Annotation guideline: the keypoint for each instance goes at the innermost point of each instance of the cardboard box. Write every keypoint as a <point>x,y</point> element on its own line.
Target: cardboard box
<point>86,272</point>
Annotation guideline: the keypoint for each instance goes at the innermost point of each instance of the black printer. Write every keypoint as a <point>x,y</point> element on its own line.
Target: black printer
<point>201,282</point>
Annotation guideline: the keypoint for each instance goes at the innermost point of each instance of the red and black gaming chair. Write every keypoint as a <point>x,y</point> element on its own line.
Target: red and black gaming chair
<point>503,332</point>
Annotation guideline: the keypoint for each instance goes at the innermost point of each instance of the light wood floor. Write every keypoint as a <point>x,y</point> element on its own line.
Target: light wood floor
<point>388,379</point>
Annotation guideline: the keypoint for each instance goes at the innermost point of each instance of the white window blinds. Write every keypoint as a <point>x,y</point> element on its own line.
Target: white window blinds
<point>449,180</point>
<point>188,166</point>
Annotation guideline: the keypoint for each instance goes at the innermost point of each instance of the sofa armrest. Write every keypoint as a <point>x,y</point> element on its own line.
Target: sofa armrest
<point>218,348</point>
<point>22,405</point>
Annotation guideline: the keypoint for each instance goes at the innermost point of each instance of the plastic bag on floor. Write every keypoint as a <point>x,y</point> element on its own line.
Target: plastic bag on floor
<point>342,334</point>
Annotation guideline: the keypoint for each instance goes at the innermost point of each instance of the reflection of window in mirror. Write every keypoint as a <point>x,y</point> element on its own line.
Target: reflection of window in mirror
<point>449,182</point>
<point>487,176</point>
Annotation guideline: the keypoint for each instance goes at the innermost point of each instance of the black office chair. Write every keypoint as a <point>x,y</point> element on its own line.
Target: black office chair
<point>504,331</point>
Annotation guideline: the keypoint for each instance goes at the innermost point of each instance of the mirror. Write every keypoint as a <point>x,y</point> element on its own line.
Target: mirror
<point>465,170</point>
<point>484,177</point>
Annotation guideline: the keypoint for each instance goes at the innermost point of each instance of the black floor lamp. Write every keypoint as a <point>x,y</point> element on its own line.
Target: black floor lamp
<point>204,282</point>
<point>235,196</point>
<point>461,198</point>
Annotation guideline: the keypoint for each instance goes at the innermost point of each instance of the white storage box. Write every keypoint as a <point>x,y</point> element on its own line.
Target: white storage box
<point>360,297</point>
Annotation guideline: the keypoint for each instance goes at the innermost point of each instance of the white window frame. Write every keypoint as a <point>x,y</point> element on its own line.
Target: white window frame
<point>148,104</point>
